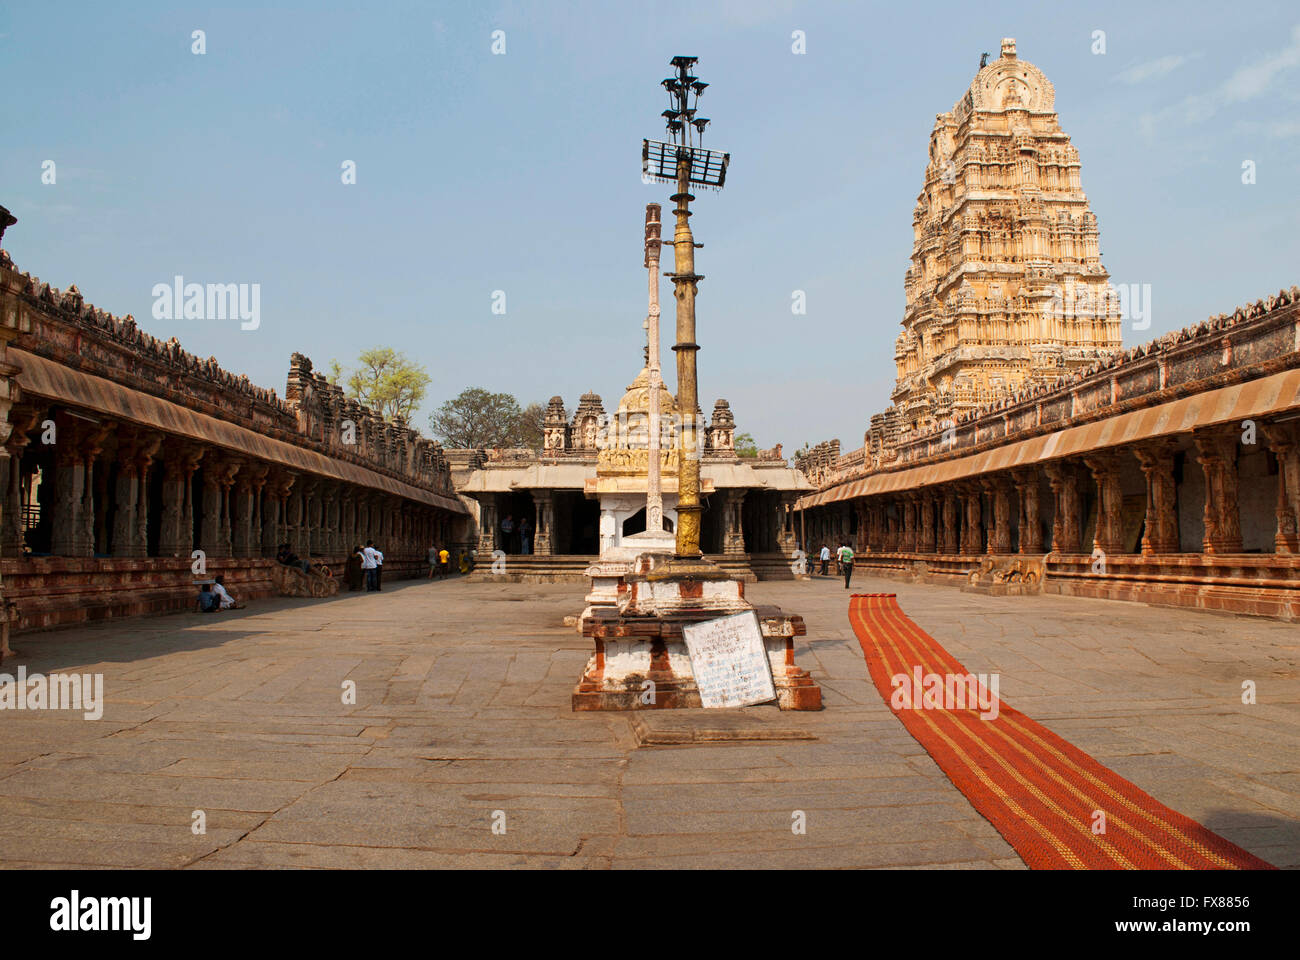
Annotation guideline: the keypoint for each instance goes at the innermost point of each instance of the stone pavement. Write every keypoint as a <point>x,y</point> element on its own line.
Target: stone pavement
<point>462,722</point>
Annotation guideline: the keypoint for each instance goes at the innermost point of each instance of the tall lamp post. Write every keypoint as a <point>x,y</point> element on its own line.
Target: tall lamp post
<point>683,161</point>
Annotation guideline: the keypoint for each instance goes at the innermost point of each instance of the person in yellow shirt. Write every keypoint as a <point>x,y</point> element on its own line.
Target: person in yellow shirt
<point>444,563</point>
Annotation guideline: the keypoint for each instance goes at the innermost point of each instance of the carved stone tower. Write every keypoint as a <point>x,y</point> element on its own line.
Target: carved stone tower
<point>1006,286</point>
<point>555,429</point>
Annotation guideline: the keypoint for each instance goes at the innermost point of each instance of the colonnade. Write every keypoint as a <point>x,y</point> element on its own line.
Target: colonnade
<point>1041,508</point>
<point>81,487</point>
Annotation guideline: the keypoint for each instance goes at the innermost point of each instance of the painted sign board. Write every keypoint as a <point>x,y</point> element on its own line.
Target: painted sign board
<point>729,661</point>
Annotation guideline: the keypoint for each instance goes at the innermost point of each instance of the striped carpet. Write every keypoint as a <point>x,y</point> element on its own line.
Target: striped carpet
<point>1046,797</point>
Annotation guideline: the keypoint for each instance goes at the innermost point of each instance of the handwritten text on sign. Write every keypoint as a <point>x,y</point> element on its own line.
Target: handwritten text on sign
<point>729,662</point>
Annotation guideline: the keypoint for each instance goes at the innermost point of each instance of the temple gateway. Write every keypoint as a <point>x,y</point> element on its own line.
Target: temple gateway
<point>585,491</point>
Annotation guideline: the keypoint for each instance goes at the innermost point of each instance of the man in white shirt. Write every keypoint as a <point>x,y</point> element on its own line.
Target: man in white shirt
<point>825,557</point>
<point>369,565</point>
<point>379,569</point>
<point>223,596</point>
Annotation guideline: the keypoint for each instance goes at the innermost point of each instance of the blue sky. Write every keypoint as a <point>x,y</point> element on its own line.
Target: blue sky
<point>520,172</point>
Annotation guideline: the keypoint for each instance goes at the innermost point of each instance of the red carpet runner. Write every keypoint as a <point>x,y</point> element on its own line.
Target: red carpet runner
<point>1041,793</point>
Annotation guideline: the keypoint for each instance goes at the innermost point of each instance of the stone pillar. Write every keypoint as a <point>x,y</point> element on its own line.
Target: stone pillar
<point>99,531</point>
<point>76,446</point>
<point>126,497</point>
<point>22,418</point>
<point>864,528</point>
<point>347,519</point>
<point>92,444</point>
<point>487,526</point>
<point>1160,532</point>
<point>972,531</point>
<point>999,491</point>
<point>331,537</point>
<point>951,522</point>
<point>1109,535</point>
<point>733,538</point>
<point>257,474</point>
<point>230,469</point>
<point>146,452</point>
<point>542,543</point>
<point>275,511</point>
<point>1283,440</point>
<point>1065,515</point>
<point>241,514</point>
<point>927,540</point>
<point>294,520</point>
<point>787,539</point>
<point>176,535</point>
<point>210,520</point>
<point>907,504</point>
<point>1217,453</point>
<point>1029,522</point>
<point>309,520</point>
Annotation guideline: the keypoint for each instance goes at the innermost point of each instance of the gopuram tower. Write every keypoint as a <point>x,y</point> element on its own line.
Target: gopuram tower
<point>1006,288</point>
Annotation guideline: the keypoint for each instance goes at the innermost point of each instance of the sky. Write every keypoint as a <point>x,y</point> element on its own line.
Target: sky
<point>519,172</point>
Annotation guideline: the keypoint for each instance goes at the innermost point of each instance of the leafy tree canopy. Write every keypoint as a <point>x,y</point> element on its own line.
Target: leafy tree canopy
<point>478,418</point>
<point>746,446</point>
<point>384,380</point>
<point>531,421</point>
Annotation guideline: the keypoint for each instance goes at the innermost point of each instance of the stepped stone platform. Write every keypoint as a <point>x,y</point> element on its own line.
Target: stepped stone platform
<point>571,568</point>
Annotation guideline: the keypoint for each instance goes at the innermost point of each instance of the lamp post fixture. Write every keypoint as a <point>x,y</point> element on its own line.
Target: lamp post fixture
<point>683,161</point>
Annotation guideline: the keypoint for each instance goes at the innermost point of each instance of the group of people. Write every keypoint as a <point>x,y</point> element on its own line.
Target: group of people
<point>365,564</point>
<point>440,562</point>
<point>523,527</point>
<point>843,556</point>
<point>214,597</point>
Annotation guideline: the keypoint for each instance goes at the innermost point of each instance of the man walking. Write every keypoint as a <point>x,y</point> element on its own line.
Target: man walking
<point>845,557</point>
<point>432,557</point>
<point>379,569</point>
<point>825,558</point>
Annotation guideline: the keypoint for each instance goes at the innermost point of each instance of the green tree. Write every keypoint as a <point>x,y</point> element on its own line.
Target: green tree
<point>530,432</point>
<point>746,446</point>
<point>385,381</point>
<point>478,418</point>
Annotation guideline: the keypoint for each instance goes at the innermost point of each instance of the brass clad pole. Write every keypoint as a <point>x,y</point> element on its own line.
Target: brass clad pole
<point>685,283</point>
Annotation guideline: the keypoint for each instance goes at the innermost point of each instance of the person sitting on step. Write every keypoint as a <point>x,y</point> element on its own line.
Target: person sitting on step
<point>227,601</point>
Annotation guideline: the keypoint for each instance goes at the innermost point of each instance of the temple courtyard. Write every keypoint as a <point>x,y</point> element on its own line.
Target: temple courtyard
<point>461,749</point>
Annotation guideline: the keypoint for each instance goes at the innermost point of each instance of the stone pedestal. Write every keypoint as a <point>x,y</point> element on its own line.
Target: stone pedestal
<point>641,661</point>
